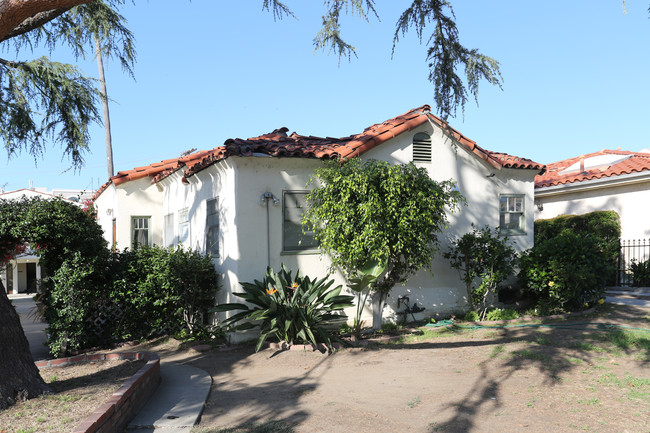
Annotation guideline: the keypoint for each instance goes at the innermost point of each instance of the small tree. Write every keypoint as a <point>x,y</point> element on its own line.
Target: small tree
<point>364,211</point>
<point>482,257</point>
<point>362,285</point>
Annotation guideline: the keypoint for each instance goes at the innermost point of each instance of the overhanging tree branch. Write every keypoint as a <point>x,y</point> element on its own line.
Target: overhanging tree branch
<point>17,13</point>
<point>34,22</point>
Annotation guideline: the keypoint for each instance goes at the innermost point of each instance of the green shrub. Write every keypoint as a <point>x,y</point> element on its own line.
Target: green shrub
<point>471,316</point>
<point>78,289</point>
<point>640,273</point>
<point>295,309</point>
<point>502,314</point>
<point>565,273</point>
<point>129,295</point>
<point>163,291</point>
<point>603,226</point>
<point>482,256</point>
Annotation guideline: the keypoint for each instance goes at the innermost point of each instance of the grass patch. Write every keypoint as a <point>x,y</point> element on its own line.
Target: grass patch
<point>497,350</point>
<point>638,388</point>
<point>265,427</point>
<point>531,354</point>
<point>416,401</point>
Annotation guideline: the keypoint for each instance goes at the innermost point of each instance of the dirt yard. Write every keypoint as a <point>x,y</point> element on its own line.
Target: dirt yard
<point>533,379</point>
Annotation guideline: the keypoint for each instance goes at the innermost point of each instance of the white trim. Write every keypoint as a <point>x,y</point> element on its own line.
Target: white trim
<point>590,184</point>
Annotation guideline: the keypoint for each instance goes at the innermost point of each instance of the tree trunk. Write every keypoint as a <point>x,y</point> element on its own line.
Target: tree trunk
<point>378,304</point>
<point>107,116</point>
<point>19,377</point>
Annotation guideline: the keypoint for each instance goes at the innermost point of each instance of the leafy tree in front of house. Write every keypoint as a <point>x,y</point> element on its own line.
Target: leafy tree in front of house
<point>484,260</point>
<point>56,230</point>
<point>365,211</point>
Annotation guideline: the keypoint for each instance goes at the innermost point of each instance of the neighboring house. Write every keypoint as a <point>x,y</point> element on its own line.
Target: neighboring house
<point>606,180</point>
<point>23,272</point>
<point>242,202</point>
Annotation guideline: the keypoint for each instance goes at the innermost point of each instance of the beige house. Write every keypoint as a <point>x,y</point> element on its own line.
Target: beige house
<point>242,202</point>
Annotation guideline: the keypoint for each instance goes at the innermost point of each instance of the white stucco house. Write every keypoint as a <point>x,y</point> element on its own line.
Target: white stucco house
<point>615,180</point>
<point>23,273</point>
<point>612,180</point>
<point>243,201</point>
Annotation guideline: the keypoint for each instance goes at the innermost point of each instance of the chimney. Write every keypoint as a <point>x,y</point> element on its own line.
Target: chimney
<point>582,164</point>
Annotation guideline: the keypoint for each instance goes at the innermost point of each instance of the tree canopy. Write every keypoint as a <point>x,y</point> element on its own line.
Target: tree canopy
<point>43,101</point>
<point>56,230</point>
<point>375,211</point>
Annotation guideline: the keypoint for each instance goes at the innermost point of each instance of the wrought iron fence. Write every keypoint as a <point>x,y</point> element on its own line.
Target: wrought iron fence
<point>632,251</point>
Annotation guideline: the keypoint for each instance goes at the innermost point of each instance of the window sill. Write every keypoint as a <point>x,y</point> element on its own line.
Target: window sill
<point>512,233</point>
<point>299,252</point>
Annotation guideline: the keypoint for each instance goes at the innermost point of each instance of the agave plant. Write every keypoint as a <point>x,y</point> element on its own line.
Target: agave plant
<point>294,308</point>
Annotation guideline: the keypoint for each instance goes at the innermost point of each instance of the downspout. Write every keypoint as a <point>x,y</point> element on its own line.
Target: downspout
<point>114,235</point>
<point>264,200</point>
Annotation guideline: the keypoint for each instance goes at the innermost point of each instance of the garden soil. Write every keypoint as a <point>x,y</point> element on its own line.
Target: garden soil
<point>492,380</point>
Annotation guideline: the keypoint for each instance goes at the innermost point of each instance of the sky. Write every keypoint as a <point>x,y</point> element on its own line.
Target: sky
<point>575,81</point>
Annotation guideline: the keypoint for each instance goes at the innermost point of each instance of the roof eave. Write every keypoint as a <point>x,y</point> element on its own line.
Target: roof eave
<point>591,184</point>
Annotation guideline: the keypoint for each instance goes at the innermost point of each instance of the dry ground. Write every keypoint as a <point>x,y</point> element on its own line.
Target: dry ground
<point>533,379</point>
<point>78,390</point>
<point>571,376</point>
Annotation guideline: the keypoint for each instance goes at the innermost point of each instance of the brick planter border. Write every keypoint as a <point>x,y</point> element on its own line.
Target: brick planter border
<point>115,413</point>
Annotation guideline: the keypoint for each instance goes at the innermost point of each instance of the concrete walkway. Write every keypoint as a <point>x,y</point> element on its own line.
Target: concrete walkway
<point>178,402</point>
<point>34,329</point>
<point>175,407</point>
<point>639,296</point>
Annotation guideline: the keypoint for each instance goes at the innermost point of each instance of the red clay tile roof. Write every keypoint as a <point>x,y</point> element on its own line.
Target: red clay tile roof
<point>165,167</point>
<point>604,163</point>
<point>278,143</point>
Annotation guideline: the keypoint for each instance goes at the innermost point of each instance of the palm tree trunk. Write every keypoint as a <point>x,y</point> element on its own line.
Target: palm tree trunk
<point>107,117</point>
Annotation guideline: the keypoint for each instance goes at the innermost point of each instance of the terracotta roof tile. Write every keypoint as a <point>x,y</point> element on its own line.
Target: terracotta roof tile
<point>278,143</point>
<point>596,165</point>
<point>162,168</point>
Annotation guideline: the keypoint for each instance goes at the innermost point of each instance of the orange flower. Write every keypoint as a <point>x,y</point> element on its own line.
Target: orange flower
<point>270,292</point>
<point>293,286</point>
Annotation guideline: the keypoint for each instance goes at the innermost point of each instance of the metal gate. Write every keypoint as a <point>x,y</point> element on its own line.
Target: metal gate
<point>632,251</point>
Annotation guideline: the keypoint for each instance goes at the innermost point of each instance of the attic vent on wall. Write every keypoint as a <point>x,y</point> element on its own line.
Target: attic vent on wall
<point>421,147</point>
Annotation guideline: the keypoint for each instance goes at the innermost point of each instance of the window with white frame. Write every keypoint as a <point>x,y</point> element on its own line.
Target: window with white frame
<point>141,231</point>
<point>511,214</point>
<point>212,227</point>
<point>184,227</point>
<point>169,229</point>
<point>294,204</point>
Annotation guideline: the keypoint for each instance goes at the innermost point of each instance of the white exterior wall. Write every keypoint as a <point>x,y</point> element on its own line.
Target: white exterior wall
<point>630,201</point>
<point>481,184</point>
<point>241,181</point>
<point>107,208</point>
<point>122,202</point>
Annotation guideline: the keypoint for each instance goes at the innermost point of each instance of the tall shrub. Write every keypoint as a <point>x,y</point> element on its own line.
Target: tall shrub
<point>603,226</point>
<point>128,295</point>
<point>163,291</point>
<point>567,272</point>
